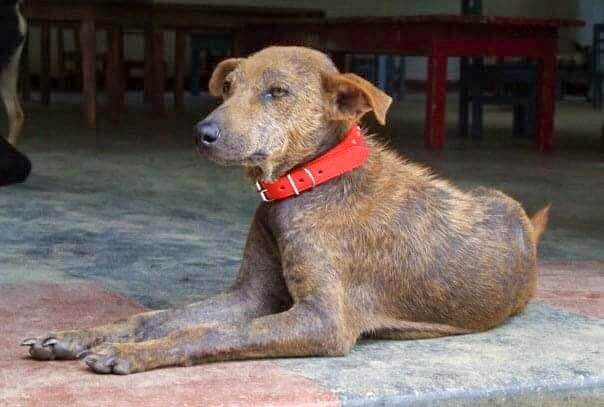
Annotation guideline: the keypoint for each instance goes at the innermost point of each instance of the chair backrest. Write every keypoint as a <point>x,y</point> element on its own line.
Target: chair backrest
<point>598,49</point>
<point>471,7</point>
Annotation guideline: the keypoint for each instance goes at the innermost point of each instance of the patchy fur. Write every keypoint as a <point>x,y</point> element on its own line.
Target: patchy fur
<point>387,250</point>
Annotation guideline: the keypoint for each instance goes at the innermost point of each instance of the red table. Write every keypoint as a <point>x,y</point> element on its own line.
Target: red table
<point>439,37</point>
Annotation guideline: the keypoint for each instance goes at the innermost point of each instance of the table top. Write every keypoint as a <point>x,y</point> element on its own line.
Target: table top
<point>456,19</point>
<point>181,6</point>
<point>177,16</point>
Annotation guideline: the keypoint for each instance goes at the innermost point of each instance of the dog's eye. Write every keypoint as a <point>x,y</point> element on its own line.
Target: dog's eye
<point>277,92</point>
<point>226,87</point>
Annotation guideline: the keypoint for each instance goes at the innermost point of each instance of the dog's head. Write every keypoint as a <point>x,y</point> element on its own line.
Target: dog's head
<point>281,106</point>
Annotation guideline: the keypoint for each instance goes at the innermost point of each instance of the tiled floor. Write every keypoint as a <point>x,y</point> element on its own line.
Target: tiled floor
<point>576,286</point>
<point>27,383</point>
<point>545,355</point>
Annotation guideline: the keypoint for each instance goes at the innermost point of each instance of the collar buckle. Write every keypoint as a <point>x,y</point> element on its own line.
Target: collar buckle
<point>262,192</point>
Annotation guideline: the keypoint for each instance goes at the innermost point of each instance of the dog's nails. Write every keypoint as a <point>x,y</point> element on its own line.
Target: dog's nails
<point>83,354</point>
<point>29,342</point>
<point>90,361</point>
<point>112,361</point>
<point>49,341</point>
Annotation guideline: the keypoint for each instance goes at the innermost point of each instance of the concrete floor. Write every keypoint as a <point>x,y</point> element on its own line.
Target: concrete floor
<point>136,209</point>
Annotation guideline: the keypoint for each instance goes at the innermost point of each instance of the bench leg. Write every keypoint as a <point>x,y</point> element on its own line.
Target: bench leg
<point>115,73</point>
<point>88,47</point>
<point>45,64</point>
<point>158,87</point>
<point>179,69</point>
<point>464,99</point>
<point>195,68</point>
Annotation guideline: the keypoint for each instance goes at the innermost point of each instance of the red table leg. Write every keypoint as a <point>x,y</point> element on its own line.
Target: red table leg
<point>88,46</point>
<point>434,129</point>
<point>546,102</point>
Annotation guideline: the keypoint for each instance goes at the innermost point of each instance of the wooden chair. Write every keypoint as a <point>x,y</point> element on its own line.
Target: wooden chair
<point>69,59</point>
<point>207,49</point>
<point>475,88</point>
<point>387,72</point>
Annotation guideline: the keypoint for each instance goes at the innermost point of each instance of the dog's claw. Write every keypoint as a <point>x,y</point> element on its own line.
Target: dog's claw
<point>81,355</point>
<point>29,342</point>
<point>110,362</point>
<point>55,346</point>
<point>90,360</point>
<point>49,341</point>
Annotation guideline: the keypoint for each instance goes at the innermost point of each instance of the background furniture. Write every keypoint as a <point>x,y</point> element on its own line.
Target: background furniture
<point>515,86</point>
<point>575,73</point>
<point>387,71</point>
<point>208,48</point>
<point>597,65</point>
<point>152,18</point>
<point>437,37</point>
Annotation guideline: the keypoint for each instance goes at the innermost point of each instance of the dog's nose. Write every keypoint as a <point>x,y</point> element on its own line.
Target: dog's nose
<point>207,133</point>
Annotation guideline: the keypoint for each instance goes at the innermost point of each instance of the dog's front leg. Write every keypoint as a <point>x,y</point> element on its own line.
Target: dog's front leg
<point>307,329</point>
<point>259,290</point>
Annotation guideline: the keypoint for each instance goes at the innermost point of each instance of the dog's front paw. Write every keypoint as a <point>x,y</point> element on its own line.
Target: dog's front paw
<point>112,358</point>
<point>58,346</point>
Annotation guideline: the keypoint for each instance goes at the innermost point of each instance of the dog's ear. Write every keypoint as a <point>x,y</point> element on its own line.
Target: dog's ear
<point>349,97</point>
<point>220,73</point>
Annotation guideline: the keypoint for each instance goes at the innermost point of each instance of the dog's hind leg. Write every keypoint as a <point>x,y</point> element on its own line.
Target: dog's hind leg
<point>8,90</point>
<point>415,330</point>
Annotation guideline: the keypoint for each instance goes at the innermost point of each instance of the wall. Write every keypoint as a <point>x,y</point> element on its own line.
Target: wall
<point>416,67</point>
<point>592,11</point>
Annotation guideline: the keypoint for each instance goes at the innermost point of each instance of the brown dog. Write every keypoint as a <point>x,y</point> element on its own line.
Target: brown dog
<point>385,250</point>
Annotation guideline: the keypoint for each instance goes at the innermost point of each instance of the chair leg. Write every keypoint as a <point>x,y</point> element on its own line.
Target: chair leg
<point>403,77</point>
<point>195,68</point>
<point>477,117</point>
<point>517,121</point>
<point>464,100</point>
<point>522,121</point>
<point>598,93</point>
<point>382,72</point>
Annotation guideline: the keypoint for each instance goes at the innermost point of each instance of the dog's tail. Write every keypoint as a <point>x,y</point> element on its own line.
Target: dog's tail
<point>539,222</point>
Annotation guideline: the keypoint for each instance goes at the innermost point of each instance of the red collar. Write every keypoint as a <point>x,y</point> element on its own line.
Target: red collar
<point>350,153</point>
